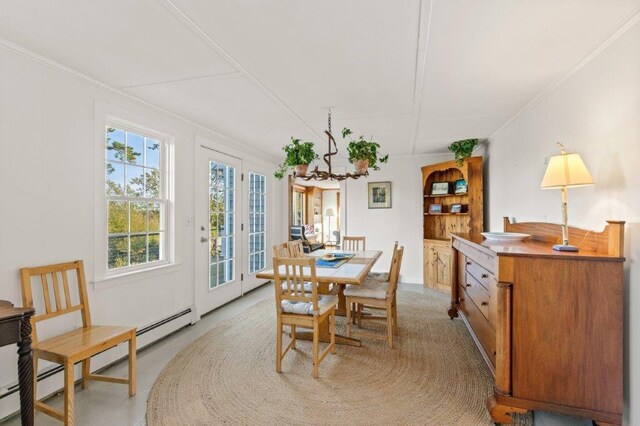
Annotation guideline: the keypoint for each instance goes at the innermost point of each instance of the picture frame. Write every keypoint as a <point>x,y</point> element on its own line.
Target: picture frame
<point>440,188</point>
<point>460,186</point>
<point>435,208</point>
<point>379,195</point>
<point>456,208</point>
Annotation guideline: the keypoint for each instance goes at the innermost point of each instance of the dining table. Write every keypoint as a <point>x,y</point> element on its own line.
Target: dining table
<point>353,271</point>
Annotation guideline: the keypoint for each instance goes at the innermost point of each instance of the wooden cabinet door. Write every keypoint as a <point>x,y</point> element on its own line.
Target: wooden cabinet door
<point>438,270</point>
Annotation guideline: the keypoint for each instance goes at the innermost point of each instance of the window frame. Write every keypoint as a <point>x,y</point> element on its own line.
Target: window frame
<point>146,128</point>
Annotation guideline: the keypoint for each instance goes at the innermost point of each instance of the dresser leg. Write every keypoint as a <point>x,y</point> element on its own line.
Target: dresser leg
<point>597,423</point>
<point>502,413</point>
<point>453,311</point>
<point>25,371</point>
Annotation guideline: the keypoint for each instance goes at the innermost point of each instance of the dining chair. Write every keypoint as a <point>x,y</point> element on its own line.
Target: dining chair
<point>377,294</point>
<point>79,345</point>
<point>384,276</point>
<point>353,243</point>
<point>281,250</point>
<point>297,307</point>
<point>296,248</point>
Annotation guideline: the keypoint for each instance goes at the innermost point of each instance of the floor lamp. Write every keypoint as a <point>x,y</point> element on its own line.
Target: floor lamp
<point>563,171</point>
<point>329,213</point>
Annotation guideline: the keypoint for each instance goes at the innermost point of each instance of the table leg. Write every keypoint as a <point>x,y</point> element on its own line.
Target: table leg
<point>25,371</point>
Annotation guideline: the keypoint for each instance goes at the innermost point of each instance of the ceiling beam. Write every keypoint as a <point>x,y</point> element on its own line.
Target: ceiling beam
<point>196,29</point>
<point>424,26</point>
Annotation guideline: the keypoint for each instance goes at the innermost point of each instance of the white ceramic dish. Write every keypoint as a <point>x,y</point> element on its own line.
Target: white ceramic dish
<point>504,236</point>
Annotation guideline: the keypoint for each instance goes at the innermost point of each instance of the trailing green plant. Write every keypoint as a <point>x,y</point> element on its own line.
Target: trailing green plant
<point>297,153</point>
<point>362,149</point>
<point>463,149</point>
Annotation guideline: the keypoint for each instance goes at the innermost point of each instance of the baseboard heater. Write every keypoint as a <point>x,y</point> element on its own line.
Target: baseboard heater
<point>58,368</point>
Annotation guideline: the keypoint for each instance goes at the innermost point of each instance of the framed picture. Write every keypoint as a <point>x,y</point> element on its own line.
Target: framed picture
<point>435,208</point>
<point>461,186</point>
<point>456,208</point>
<point>379,195</point>
<point>439,188</point>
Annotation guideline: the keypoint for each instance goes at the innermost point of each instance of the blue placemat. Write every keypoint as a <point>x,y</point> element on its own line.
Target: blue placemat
<point>340,259</point>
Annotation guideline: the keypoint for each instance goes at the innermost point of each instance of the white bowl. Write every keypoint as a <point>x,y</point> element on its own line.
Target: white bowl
<point>504,236</point>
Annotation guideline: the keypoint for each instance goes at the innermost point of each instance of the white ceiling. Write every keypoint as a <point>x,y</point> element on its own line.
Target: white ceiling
<point>414,74</point>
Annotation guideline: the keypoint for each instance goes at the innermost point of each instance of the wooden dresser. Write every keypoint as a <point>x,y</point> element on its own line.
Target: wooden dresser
<point>549,324</point>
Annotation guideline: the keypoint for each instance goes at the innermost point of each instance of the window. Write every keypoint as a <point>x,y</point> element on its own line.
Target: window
<point>222,208</point>
<point>136,193</point>
<point>257,242</point>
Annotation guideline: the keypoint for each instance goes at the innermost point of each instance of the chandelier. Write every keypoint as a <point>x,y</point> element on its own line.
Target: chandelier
<point>332,149</point>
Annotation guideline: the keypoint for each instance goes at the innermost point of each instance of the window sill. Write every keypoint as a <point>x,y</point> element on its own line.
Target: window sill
<point>133,276</point>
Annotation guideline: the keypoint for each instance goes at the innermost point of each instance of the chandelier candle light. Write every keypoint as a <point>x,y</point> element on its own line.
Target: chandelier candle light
<point>563,171</point>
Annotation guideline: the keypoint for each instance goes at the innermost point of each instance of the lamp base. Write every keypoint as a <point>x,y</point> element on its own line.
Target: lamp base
<point>565,247</point>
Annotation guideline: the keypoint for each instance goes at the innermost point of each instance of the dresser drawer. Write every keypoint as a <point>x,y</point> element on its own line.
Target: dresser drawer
<point>478,294</point>
<point>483,276</point>
<point>483,259</point>
<point>480,327</point>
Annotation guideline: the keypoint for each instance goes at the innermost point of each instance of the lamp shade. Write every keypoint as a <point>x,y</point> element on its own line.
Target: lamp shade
<point>566,170</point>
<point>329,212</point>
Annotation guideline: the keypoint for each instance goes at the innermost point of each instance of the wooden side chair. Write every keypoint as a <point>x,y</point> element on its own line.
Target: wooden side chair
<point>281,251</point>
<point>296,248</point>
<point>384,276</point>
<point>296,307</point>
<point>377,294</point>
<point>73,346</point>
<point>353,243</point>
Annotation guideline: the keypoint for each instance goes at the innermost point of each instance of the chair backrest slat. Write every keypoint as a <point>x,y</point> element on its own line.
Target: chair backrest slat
<point>353,243</point>
<point>45,293</point>
<point>26,275</point>
<point>394,275</point>
<point>296,248</point>
<point>395,247</point>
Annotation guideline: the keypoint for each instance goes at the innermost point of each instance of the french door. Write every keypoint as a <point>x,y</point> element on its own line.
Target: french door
<point>231,228</point>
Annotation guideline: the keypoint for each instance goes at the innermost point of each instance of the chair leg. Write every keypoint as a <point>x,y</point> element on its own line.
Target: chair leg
<point>389,325</point>
<point>395,315</point>
<point>132,364</point>
<point>316,341</point>
<point>35,378</point>
<point>348,321</point>
<point>68,393</point>
<point>359,315</point>
<point>86,370</point>
<point>332,325</point>
<point>279,346</point>
<point>293,337</point>
<point>354,306</point>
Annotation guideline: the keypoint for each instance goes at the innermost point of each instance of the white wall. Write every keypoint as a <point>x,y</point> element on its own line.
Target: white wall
<point>47,172</point>
<point>402,222</point>
<point>596,112</point>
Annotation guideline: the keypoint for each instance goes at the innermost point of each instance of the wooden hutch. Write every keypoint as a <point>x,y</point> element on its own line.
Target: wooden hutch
<point>438,226</point>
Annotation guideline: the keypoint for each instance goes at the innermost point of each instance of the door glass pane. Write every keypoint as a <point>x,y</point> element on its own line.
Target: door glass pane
<point>221,223</point>
<point>257,240</point>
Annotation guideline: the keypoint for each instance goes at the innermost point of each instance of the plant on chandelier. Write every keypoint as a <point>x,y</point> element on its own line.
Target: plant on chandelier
<point>363,154</point>
<point>298,156</point>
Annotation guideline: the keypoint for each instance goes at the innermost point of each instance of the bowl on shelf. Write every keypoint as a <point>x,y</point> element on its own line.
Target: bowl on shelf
<point>504,236</point>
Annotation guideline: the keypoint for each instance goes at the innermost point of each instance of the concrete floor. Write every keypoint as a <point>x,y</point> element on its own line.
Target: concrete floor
<point>108,404</point>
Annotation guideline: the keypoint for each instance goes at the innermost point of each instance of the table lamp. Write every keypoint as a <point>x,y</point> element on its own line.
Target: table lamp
<point>563,171</point>
<point>329,213</point>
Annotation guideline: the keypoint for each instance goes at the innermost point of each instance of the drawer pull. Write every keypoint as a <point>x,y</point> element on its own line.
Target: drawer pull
<point>468,285</point>
<point>468,263</point>
<point>484,303</point>
<point>485,276</point>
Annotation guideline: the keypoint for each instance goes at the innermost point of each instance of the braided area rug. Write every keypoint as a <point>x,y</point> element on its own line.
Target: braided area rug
<point>434,376</point>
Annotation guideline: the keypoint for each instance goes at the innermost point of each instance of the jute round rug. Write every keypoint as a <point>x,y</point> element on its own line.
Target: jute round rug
<point>434,376</point>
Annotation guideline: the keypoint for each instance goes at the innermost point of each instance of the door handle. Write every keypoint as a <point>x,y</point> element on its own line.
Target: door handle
<point>203,239</point>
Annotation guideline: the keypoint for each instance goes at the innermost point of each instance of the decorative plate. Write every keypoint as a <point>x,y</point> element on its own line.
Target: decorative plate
<point>504,236</point>
<point>328,257</point>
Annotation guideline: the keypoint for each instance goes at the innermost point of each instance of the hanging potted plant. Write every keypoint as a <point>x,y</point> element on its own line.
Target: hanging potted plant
<point>463,149</point>
<point>363,154</point>
<point>298,156</point>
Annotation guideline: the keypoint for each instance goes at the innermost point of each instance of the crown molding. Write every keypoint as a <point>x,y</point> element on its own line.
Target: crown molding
<point>42,60</point>
<point>615,34</point>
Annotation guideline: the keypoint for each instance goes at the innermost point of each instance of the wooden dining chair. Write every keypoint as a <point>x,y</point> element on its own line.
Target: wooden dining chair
<point>281,250</point>
<point>384,276</point>
<point>353,243</point>
<point>296,248</point>
<point>296,307</point>
<point>76,345</point>
<point>377,294</point>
